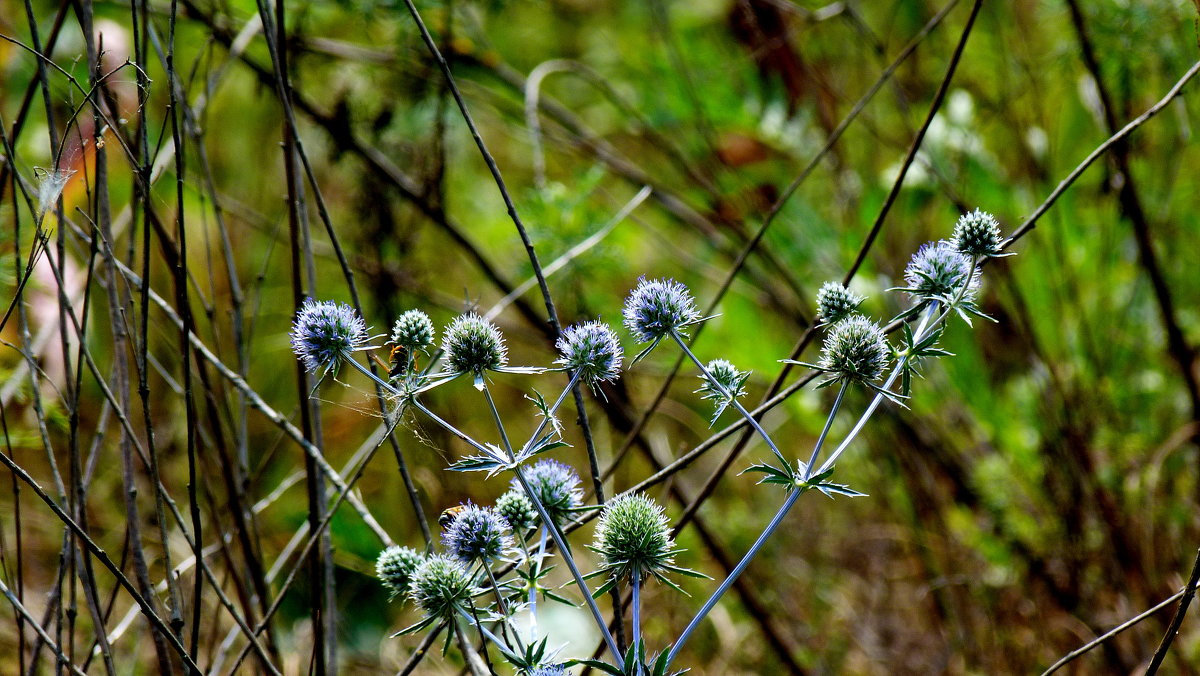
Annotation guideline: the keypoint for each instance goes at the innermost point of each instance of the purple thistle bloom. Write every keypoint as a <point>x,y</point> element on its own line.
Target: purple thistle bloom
<point>938,270</point>
<point>593,350</point>
<point>656,307</point>
<point>555,485</point>
<point>325,332</point>
<point>477,534</point>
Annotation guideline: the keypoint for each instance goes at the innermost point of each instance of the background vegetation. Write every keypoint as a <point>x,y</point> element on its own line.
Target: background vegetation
<point>1042,488</point>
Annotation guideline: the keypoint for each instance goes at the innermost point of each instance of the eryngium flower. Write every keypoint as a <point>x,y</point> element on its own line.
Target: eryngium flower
<point>835,301</point>
<point>442,587</point>
<point>729,378</point>
<point>477,534</point>
<point>325,332</point>
<point>591,349</point>
<point>977,234</point>
<point>555,485</point>
<point>413,330</point>
<point>395,568</point>
<point>517,510</point>
<point>634,538</point>
<point>937,272</point>
<point>474,345</point>
<point>552,670</point>
<point>855,349</point>
<point>656,307</point>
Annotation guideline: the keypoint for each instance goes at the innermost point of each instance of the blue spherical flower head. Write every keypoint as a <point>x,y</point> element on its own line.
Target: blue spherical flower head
<point>550,670</point>
<point>592,350</point>
<point>656,308</point>
<point>477,534</point>
<point>938,272</point>
<point>325,333</point>
<point>555,485</point>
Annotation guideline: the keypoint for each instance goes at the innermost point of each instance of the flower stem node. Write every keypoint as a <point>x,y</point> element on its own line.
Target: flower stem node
<point>835,302</point>
<point>325,333</point>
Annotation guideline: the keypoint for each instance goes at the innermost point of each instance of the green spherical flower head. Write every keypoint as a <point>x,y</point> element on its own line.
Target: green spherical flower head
<point>442,587</point>
<point>477,534</point>
<point>517,510</point>
<point>556,486</point>
<point>656,307</point>
<point>855,349</point>
<point>591,349</point>
<point>727,376</point>
<point>395,568</point>
<point>938,270</point>
<point>835,301</point>
<point>413,330</point>
<point>633,538</point>
<point>977,234</point>
<point>474,345</point>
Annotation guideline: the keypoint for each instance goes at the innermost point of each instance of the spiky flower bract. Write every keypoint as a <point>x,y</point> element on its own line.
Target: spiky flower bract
<point>656,307</point>
<point>730,380</point>
<point>977,234</point>
<point>555,485</point>
<point>325,333</point>
<point>517,510</point>
<point>633,538</point>
<point>395,568</point>
<point>835,301</point>
<point>443,588</point>
<point>854,350</point>
<point>591,349</point>
<point>551,670</point>
<point>938,271</point>
<point>477,534</point>
<point>474,345</point>
<point>413,330</point>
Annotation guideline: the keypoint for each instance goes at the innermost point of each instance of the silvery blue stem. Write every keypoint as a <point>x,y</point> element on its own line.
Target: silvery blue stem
<point>453,430</point>
<point>862,421</point>
<point>487,394</point>
<point>561,542</point>
<point>484,630</point>
<point>735,573</point>
<point>536,569</point>
<point>637,617</point>
<point>837,403</point>
<point>732,399</point>
<point>367,372</point>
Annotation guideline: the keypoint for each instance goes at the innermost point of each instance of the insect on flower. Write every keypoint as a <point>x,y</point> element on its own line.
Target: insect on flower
<point>448,515</point>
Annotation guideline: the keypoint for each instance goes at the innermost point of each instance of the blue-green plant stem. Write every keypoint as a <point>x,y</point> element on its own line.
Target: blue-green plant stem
<point>535,570</point>
<point>487,394</point>
<point>637,617</point>
<point>729,395</point>
<point>504,628</point>
<point>367,372</point>
<point>559,539</point>
<point>484,632</point>
<point>735,573</point>
<point>922,329</point>
<point>837,403</point>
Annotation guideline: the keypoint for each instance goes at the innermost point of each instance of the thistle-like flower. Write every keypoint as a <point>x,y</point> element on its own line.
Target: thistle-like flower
<point>730,380</point>
<point>977,234</point>
<point>474,345</point>
<point>593,350</point>
<point>551,670</point>
<point>938,272</point>
<point>555,485</point>
<point>854,350</point>
<point>835,301</point>
<point>413,331</point>
<point>443,588</point>
<point>325,333</point>
<point>517,510</point>
<point>477,534</point>
<point>395,568</point>
<point>657,307</point>
<point>634,538</point>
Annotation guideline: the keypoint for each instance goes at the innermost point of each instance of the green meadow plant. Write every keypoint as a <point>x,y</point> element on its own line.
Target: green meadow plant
<point>494,561</point>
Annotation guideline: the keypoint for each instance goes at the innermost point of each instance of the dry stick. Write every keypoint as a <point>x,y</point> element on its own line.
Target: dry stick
<point>1184,596</point>
<point>1188,593</point>
<point>23,613</point>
